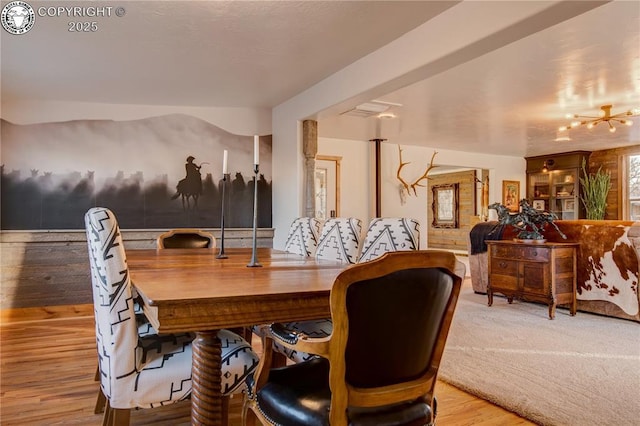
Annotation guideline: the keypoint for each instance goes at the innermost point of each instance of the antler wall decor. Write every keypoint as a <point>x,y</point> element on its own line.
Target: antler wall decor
<point>406,187</point>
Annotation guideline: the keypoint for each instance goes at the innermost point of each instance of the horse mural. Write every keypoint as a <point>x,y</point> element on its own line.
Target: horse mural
<point>191,186</point>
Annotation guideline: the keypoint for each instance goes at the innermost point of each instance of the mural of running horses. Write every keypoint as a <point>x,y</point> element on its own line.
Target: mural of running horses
<point>191,186</point>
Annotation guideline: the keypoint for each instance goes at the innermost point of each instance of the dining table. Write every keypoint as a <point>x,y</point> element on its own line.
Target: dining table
<point>192,290</point>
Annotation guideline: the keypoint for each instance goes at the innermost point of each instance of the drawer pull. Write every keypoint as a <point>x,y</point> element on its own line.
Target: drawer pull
<point>502,265</point>
<point>535,253</point>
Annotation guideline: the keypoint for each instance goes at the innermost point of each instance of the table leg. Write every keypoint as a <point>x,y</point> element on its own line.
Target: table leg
<point>206,399</point>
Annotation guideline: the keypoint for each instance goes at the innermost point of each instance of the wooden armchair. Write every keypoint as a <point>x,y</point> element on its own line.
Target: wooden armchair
<point>186,238</point>
<point>391,318</point>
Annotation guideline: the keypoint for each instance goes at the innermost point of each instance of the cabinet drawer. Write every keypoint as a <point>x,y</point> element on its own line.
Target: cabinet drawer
<point>534,253</point>
<point>504,267</point>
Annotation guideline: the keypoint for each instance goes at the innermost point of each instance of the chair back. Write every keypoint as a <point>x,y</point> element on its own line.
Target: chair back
<point>186,238</point>
<point>116,329</point>
<point>391,319</point>
<point>387,234</point>
<point>340,240</point>
<point>303,236</point>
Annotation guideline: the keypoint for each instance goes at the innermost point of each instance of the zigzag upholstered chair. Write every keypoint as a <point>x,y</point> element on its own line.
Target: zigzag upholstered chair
<point>339,240</point>
<point>143,371</point>
<point>303,236</point>
<point>389,234</point>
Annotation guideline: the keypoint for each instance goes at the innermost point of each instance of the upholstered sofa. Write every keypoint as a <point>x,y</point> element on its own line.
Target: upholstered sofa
<point>608,261</point>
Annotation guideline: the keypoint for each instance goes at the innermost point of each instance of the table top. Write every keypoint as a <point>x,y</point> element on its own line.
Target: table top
<point>192,290</point>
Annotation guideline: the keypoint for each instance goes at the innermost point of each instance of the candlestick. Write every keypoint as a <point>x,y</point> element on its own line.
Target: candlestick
<point>254,254</point>
<point>221,254</point>
<point>225,157</point>
<point>256,149</point>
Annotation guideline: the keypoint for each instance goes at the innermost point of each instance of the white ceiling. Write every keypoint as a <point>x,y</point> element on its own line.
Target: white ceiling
<point>261,53</point>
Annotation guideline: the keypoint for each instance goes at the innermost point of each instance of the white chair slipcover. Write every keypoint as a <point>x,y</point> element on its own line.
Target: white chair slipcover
<point>303,236</point>
<point>144,371</point>
<point>388,234</point>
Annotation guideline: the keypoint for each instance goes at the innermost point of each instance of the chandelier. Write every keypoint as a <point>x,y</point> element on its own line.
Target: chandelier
<point>605,117</point>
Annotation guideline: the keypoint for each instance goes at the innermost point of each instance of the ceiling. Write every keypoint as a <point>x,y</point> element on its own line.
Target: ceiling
<point>259,54</point>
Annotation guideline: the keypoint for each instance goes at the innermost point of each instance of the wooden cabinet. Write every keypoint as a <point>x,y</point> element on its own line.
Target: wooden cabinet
<point>553,183</point>
<point>537,272</point>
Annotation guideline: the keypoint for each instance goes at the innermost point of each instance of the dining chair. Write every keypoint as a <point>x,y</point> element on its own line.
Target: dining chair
<point>143,371</point>
<point>194,238</point>
<point>339,240</point>
<point>361,377</point>
<point>386,234</point>
<point>186,238</point>
<point>303,236</point>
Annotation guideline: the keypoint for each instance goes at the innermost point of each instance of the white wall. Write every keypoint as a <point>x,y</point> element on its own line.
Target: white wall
<point>357,184</point>
<point>355,176</point>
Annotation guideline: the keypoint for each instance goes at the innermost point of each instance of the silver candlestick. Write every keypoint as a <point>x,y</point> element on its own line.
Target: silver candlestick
<point>221,254</point>
<point>254,255</point>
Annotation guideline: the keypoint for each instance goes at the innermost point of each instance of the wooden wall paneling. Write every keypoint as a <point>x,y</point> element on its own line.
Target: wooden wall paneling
<point>452,239</point>
<point>43,269</point>
<point>612,160</point>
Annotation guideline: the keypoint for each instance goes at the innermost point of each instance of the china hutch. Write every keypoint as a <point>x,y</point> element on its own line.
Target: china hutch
<point>553,183</point>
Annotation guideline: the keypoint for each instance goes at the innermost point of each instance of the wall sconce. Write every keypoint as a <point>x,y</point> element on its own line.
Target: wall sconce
<point>546,165</point>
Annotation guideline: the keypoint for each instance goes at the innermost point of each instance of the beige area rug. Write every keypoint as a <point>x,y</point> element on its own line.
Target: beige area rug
<point>582,370</point>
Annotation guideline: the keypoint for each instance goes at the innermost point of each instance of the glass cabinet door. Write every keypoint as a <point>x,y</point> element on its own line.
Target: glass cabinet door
<point>564,194</point>
<point>539,188</point>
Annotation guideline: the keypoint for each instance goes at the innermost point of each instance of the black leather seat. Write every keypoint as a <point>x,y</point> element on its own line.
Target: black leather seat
<point>186,238</point>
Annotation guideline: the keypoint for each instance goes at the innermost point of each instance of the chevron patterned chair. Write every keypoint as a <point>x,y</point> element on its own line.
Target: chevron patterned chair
<point>339,240</point>
<point>143,371</point>
<point>386,234</point>
<point>303,236</point>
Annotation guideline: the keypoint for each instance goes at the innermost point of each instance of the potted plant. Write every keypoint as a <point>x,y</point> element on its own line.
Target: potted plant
<point>595,188</point>
<point>529,222</point>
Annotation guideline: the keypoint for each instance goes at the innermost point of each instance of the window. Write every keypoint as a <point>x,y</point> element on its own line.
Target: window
<point>632,203</point>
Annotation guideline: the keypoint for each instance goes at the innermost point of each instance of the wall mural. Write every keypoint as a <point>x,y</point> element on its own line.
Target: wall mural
<point>159,172</point>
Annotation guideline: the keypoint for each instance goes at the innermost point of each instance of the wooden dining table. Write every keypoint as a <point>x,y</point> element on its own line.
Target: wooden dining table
<point>191,290</point>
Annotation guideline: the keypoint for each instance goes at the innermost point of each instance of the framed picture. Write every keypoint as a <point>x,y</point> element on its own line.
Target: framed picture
<point>511,194</point>
<point>568,205</point>
<point>538,204</point>
<point>445,206</point>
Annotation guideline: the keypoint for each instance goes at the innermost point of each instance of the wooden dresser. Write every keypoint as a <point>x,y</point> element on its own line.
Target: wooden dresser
<point>538,272</point>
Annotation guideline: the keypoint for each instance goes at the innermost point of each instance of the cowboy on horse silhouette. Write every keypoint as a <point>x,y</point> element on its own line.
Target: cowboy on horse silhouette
<point>191,185</point>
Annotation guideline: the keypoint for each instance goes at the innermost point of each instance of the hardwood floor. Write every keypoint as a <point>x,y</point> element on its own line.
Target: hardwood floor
<point>47,369</point>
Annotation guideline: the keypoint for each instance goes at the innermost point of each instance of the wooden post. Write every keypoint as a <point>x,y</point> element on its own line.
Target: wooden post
<point>310,149</point>
<point>378,176</point>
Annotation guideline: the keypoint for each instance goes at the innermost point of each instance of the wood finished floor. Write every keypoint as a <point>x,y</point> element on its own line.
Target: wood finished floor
<point>47,369</point>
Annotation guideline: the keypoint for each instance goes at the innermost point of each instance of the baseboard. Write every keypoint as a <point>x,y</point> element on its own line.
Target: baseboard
<point>39,313</point>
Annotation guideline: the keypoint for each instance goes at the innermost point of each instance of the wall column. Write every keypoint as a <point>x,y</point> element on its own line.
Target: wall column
<point>309,149</point>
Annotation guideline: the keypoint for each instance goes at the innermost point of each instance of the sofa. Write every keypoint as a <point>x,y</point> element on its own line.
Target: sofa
<point>608,261</point>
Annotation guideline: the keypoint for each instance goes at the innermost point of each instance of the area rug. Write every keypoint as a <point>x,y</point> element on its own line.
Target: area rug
<point>582,370</point>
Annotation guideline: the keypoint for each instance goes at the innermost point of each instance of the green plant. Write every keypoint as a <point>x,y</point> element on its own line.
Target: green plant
<point>595,188</point>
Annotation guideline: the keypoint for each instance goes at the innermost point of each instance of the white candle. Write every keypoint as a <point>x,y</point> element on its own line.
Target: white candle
<point>225,157</point>
<point>256,149</point>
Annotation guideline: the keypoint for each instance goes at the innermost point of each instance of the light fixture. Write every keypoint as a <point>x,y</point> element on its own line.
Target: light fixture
<point>546,165</point>
<point>562,137</point>
<point>605,116</point>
